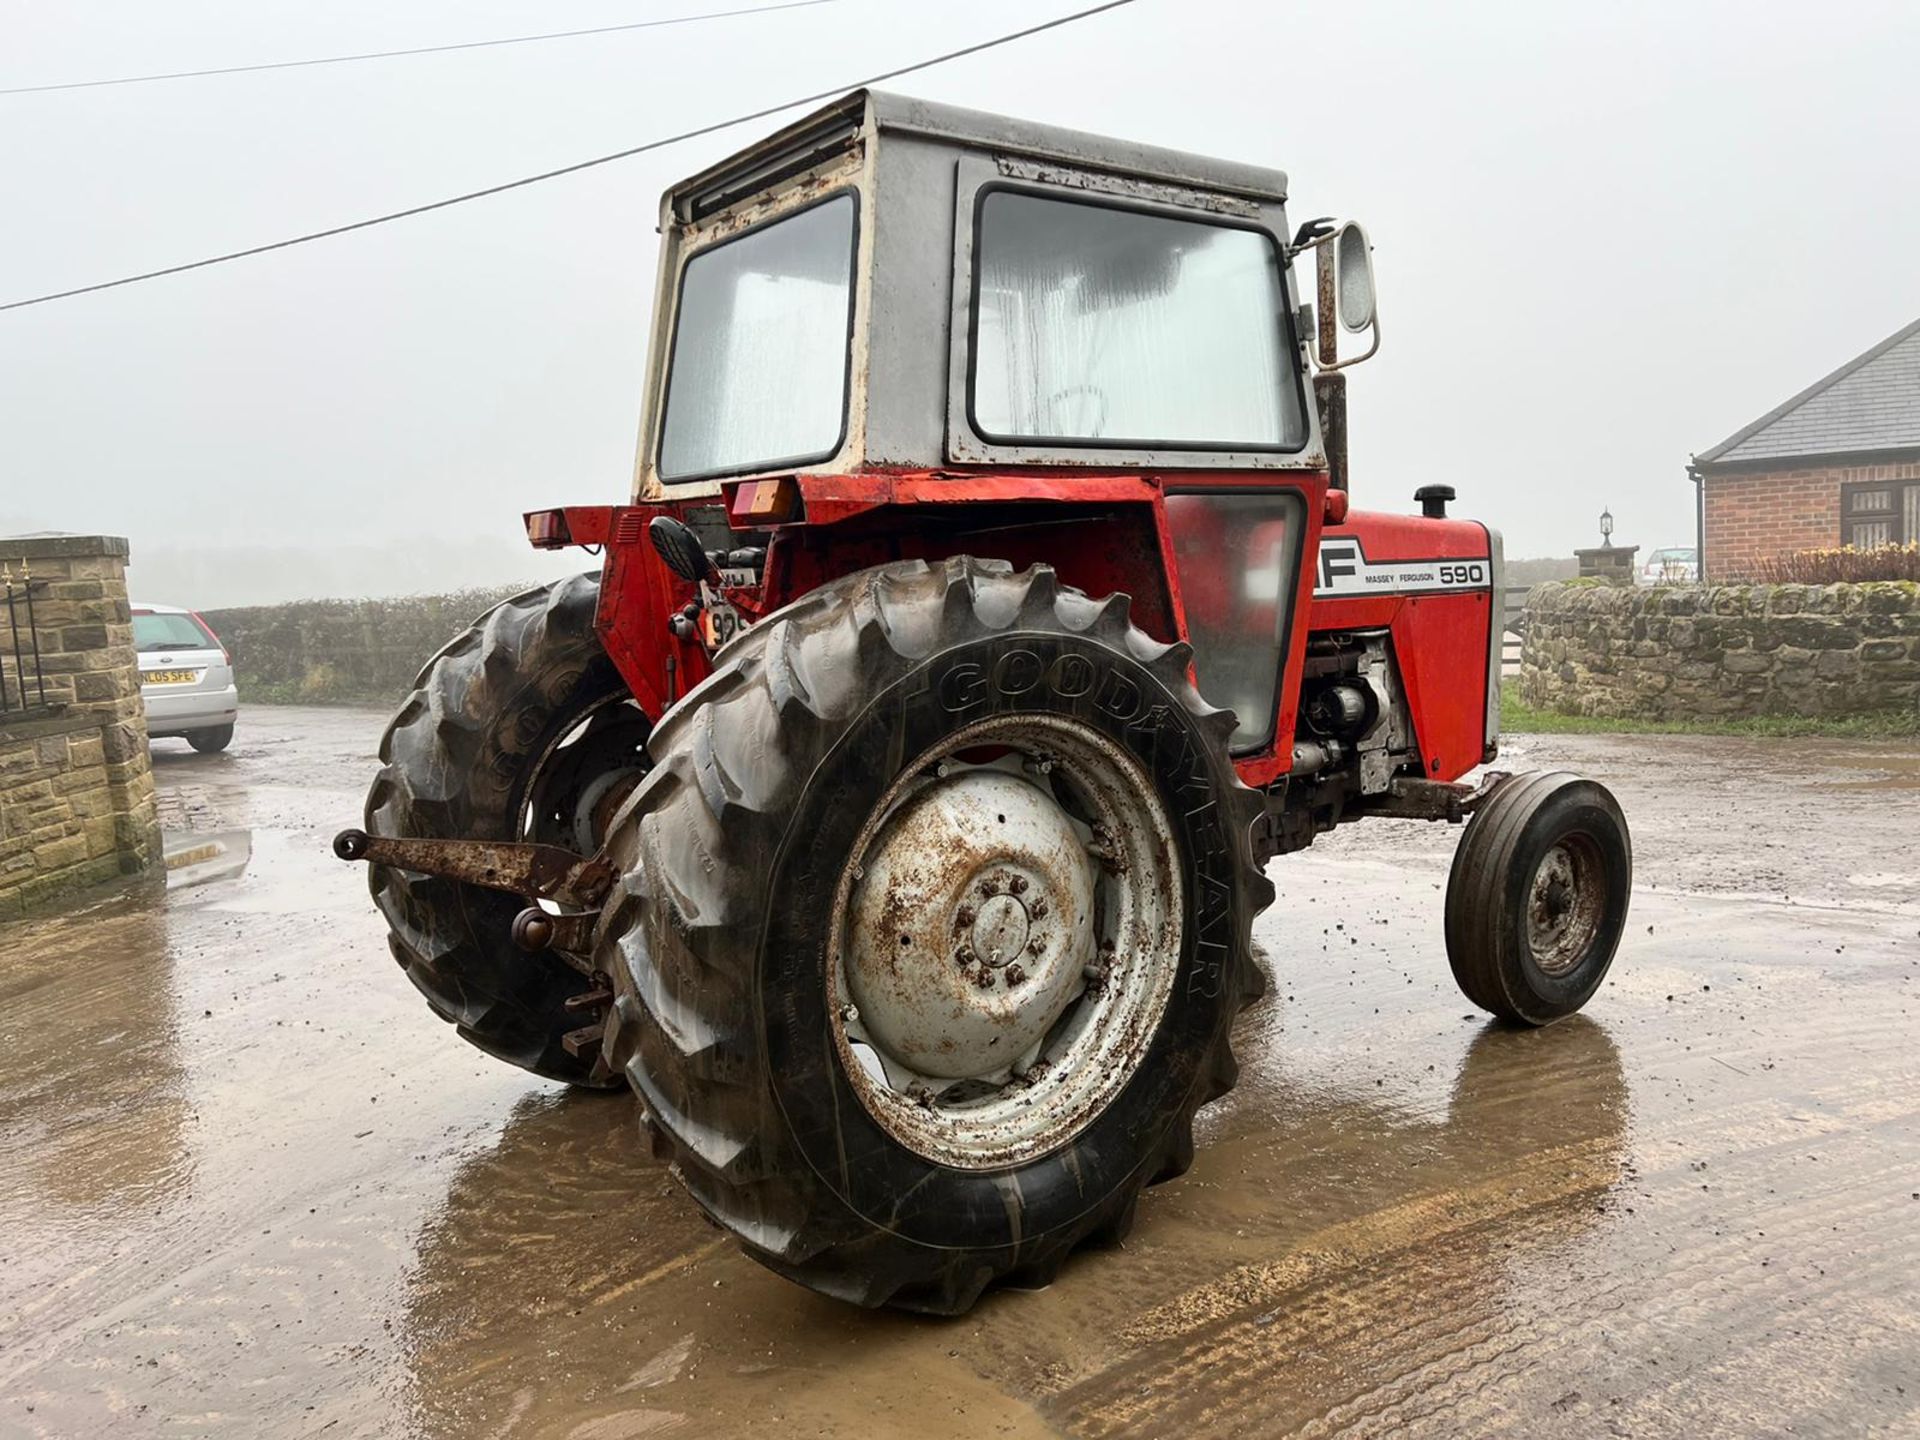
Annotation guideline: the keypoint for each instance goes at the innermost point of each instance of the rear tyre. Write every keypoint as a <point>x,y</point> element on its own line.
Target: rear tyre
<point>209,742</point>
<point>934,916</point>
<point>1537,898</point>
<point>521,729</point>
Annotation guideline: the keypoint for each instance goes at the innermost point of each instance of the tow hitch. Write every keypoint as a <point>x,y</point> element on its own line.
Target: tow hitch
<point>539,872</point>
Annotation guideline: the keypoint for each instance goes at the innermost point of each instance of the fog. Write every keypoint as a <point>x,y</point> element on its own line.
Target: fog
<point>1606,237</point>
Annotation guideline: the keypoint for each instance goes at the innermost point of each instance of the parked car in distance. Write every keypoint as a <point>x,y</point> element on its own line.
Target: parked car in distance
<point>186,677</point>
<point>1675,565</point>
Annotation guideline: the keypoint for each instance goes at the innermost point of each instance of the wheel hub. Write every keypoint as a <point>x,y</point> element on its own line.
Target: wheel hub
<point>1563,905</point>
<point>1009,925</point>
<point>971,925</point>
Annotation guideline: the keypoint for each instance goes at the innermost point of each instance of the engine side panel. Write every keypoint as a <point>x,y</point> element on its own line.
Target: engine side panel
<point>1430,584</point>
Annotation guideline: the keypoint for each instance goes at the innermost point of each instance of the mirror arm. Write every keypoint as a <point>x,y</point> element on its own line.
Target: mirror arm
<point>1366,354</point>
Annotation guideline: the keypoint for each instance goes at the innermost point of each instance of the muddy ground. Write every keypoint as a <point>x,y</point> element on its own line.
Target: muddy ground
<point>249,1186</point>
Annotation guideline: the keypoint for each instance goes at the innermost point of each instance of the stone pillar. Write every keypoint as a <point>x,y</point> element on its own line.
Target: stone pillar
<point>1612,563</point>
<point>76,781</point>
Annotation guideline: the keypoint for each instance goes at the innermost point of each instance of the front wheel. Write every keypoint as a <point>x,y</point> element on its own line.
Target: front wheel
<point>1537,898</point>
<point>935,914</point>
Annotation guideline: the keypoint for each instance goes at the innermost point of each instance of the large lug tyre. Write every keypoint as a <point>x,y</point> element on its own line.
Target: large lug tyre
<point>520,729</point>
<point>1537,898</point>
<point>934,916</point>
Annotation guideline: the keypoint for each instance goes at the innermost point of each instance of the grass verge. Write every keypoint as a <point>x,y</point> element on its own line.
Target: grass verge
<point>1519,718</point>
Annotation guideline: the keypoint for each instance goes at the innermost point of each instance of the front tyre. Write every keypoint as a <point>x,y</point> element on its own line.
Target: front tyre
<point>935,914</point>
<point>1537,898</point>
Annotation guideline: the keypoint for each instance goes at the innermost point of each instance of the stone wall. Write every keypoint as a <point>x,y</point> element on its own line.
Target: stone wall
<point>76,784</point>
<point>343,649</point>
<point>1722,651</point>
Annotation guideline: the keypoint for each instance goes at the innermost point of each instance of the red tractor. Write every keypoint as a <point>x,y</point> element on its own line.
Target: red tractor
<point>863,813</point>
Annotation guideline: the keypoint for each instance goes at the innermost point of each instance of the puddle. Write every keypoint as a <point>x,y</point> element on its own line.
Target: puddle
<point>202,858</point>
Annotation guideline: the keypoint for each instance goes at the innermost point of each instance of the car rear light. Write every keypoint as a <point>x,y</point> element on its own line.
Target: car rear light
<point>1336,507</point>
<point>225,659</point>
<point>547,529</point>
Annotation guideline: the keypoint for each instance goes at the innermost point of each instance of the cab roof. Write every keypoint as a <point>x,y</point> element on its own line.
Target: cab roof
<point>837,126</point>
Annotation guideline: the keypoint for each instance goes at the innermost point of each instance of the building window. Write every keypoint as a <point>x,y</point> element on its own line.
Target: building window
<point>1879,513</point>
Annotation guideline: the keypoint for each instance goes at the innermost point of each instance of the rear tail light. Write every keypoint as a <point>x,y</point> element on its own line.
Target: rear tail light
<point>547,530</point>
<point>225,659</point>
<point>764,502</point>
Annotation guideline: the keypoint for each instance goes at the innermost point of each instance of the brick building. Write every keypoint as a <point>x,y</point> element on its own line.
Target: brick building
<point>1838,464</point>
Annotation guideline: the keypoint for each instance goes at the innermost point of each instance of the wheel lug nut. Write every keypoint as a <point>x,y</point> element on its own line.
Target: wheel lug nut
<point>1038,910</point>
<point>1018,885</point>
<point>965,916</point>
<point>984,979</point>
<point>848,1014</point>
<point>1033,946</point>
<point>1015,974</point>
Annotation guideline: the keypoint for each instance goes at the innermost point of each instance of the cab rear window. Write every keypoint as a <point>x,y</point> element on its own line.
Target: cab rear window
<point>171,632</point>
<point>762,347</point>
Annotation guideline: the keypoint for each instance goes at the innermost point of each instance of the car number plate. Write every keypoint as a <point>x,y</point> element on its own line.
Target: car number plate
<point>168,677</point>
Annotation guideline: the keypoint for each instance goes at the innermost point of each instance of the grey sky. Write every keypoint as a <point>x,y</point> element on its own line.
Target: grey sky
<point>1606,235</point>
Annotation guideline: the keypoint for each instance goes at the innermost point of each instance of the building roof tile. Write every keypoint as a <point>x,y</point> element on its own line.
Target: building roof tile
<point>1869,404</point>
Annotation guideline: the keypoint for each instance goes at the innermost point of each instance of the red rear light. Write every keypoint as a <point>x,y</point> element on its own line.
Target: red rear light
<point>1336,507</point>
<point>547,529</point>
<point>207,630</point>
<point>765,502</point>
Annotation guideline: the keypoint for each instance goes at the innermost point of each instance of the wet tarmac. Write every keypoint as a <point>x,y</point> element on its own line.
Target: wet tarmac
<point>250,1187</point>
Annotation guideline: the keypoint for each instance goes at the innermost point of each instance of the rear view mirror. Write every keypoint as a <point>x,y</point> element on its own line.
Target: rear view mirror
<point>1353,277</point>
<point>1343,274</point>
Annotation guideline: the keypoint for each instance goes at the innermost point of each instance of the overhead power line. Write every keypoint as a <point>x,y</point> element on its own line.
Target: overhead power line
<point>418,50</point>
<point>526,180</point>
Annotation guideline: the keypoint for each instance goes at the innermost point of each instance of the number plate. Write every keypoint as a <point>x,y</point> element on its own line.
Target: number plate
<point>720,622</point>
<point>168,677</point>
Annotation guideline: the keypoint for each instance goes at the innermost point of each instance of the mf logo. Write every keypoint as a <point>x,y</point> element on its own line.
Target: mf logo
<point>1340,559</point>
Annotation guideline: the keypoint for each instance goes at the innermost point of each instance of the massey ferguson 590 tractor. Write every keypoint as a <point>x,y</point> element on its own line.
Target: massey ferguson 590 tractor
<point>889,811</point>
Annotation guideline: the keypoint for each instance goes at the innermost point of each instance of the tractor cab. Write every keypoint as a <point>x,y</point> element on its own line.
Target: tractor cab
<point>946,320</point>
<point>897,285</point>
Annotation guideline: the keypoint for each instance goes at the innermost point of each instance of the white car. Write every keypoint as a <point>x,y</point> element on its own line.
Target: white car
<point>1675,565</point>
<point>186,677</point>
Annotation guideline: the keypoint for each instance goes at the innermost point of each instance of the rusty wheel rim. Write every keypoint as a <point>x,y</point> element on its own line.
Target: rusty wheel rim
<point>1566,898</point>
<point>1006,938</point>
<point>578,781</point>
